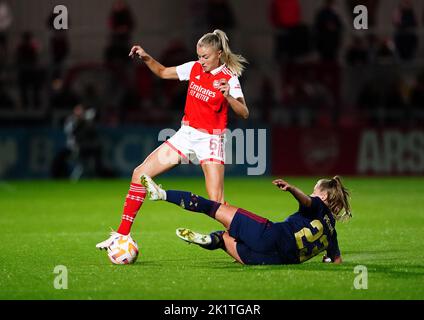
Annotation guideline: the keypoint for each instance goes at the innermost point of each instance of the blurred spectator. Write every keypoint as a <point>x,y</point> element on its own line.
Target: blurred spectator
<point>395,96</point>
<point>296,100</point>
<point>61,164</point>
<point>292,39</point>
<point>5,22</point>
<point>417,93</point>
<point>6,101</point>
<point>405,22</point>
<point>267,100</point>
<point>121,22</point>
<point>383,100</point>
<point>176,53</point>
<point>91,99</point>
<point>144,82</point>
<point>220,15</point>
<point>385,51</point>
<point>372,7</point>
<point>315,92</point>
<point>121,25</point>
<point>395,102</point>
<point>59,47</point>
<point>62,97</point>
<point>381,50</point>
<point>83,141</point>
<point>129,107</point>
<point>72,122</point>
<point>328,28</point>
<point>369,101</point>
<point>197,19</point>
<point>285,13</point>
<point>29,73</point>
<point>357,52</point>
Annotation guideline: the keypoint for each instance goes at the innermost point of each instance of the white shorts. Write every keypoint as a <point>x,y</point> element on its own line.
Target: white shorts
<point>198,146</point>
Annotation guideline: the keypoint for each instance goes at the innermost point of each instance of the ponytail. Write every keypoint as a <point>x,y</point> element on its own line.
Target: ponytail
<point>344,195</point>
<point>219,40</point>
<point>337,198</point>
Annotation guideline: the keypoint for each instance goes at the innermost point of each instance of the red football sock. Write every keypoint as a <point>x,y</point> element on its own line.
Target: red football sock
<point>133,202</point>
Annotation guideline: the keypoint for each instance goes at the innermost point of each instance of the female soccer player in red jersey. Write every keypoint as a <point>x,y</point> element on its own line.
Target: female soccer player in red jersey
<point>213,88</point>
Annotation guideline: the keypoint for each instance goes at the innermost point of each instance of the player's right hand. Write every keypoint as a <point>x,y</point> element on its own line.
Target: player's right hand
<point>137,51</point>
<point>281,184</point>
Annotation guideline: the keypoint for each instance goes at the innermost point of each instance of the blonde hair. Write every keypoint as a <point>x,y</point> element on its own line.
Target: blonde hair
<point>218,39</point>
<point>337,198</point>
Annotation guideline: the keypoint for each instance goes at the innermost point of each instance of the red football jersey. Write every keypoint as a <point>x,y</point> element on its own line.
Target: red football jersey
<point>206,108</point>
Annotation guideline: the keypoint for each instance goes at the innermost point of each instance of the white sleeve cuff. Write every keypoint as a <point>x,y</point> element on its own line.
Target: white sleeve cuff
<point>235,88</point>
<point>184,70</point>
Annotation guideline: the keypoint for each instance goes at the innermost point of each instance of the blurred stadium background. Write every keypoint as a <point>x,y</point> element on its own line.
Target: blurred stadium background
<point>333,99</point>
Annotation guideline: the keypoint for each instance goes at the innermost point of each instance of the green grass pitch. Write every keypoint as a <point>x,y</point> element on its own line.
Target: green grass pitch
<point>46,223</point>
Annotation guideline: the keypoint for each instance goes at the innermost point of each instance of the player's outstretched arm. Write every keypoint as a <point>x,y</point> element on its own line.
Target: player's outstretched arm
<point>156,67</point>
<point>303,199</point>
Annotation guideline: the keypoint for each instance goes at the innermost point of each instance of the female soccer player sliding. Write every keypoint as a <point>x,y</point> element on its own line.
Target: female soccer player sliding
<point>251,239</point>
<point>213,88</point>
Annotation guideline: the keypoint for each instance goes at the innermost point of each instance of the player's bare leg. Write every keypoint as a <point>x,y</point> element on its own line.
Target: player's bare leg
<point>159,161</point>
<point>225,215</point>
<point>214,179</point>
<point>231,246</point>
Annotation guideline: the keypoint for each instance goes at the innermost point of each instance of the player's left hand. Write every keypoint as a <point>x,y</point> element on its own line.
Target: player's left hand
<point>224,87</point>
<point>281,184</point>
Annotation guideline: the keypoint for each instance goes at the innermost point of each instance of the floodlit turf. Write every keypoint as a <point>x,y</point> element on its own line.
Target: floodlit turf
<point>45,224</point>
